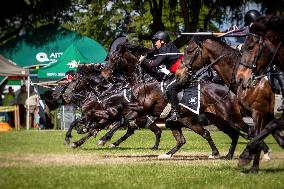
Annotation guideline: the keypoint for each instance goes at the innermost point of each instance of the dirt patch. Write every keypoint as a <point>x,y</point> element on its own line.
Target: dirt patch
<point>12,160</point>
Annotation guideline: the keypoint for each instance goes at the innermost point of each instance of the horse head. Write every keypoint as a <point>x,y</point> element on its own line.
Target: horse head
<point>124,62</point>
<point>204,54</point>
<point>73,89</point>
<point>262,49</point>
<point>188,67</point>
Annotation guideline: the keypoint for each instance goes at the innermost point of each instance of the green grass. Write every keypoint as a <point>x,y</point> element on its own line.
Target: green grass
<point>38,159</point>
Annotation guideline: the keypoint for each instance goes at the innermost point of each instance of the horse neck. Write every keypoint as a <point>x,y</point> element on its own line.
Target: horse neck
<point>133,72</point>
<point>227,63</point>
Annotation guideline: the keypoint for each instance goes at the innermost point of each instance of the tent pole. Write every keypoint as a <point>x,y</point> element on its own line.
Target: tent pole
<point>28,104</point>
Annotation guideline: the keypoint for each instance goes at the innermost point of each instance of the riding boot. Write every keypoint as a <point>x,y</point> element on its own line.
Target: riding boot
<point>281,108</point>
<point>174,114</point>
<point>280,77</point>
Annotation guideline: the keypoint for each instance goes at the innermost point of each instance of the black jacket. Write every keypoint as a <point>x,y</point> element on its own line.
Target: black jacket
<point>167,60</point>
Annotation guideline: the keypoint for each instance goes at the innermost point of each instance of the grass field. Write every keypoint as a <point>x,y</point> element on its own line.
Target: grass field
<point>38,159</point>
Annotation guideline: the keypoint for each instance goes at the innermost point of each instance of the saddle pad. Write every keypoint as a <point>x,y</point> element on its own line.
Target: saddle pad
<point>189,98</point>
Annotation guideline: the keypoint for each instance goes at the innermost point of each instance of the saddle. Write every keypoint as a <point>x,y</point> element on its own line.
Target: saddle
<point>189,97</point>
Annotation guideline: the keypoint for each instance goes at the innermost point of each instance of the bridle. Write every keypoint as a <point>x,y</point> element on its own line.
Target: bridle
<point>190,72</point>
<point>73,89</point>
<point>194,76</point>
<point>253,66</point>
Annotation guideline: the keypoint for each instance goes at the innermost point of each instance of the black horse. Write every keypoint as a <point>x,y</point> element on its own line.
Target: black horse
<point>218,102</point>
<point>108,104</point>
<point>263,49</point>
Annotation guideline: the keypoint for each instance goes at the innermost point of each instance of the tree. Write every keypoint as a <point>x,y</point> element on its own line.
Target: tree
<point>103,20</point>
<point>17,16</point>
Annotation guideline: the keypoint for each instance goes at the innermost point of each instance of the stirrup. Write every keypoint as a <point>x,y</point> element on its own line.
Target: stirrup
<point>174,117</point>
<point>280,108</point>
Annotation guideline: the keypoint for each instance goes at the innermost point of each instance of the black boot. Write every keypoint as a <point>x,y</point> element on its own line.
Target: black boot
<point>281,108</point>
<point>174,115</point>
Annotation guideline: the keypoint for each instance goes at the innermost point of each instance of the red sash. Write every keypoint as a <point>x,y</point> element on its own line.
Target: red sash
<point>174,67</point>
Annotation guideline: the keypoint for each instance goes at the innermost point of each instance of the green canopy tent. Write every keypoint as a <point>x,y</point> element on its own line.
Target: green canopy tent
<point>41,47</point>
<point>85,50</point>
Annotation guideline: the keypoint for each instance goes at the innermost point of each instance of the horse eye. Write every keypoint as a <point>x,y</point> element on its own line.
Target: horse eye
<point>255,39</point>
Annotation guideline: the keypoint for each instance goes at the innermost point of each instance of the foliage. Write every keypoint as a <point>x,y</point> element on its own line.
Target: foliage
<point>18,16</point>
<point>103,20</point>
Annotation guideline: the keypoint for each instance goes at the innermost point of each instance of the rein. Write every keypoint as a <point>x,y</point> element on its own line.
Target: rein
<point>195,76</point>
<point>253,66</point>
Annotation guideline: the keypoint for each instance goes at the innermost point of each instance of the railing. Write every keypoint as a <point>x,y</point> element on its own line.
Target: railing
<point>14,109</point>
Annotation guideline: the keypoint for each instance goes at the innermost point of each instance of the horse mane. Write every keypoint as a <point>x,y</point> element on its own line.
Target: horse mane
<point>133,48</point>
<point>264,23</point>
<point>201,39</point>
<point>89,69</point>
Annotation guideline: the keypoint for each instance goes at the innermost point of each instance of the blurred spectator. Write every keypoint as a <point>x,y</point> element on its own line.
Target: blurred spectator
<point>9,100</point>
<point>1,94</point>
<point>31,106</point>
<point>36,118</point>
<point>50,105</point>
<point>20,100</point>
<point>9,97</point>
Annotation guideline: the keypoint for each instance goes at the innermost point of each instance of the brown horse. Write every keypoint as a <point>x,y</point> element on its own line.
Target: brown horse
<point>263,48</point>
<point>211,53</point>
<point>217,102</point>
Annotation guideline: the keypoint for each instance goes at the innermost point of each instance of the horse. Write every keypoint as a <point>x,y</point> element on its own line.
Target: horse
<point>117,94</point>
<point>226,106</point>
<point>211,53</point>
<point>263,48</point>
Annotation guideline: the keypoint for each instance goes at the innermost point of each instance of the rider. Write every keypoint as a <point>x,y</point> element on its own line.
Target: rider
<point>161,56</point>
<point>240,33</point>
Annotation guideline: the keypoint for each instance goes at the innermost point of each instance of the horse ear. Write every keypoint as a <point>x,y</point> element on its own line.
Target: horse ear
<point>122,48</point>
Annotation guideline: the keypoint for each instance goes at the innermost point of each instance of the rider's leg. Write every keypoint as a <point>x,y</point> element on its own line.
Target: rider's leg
<point>280,78</point>
<point>172,95</point>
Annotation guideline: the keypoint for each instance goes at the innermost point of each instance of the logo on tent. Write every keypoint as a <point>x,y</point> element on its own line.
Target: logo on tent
<point>73,64</point>
<point>43,57</point>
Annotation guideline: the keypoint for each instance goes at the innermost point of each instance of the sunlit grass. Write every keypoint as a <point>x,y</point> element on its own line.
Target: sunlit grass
<point>26,162</point>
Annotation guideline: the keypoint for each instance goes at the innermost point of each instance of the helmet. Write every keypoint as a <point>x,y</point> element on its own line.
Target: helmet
<point>251,16</point>
<point>163,35</point>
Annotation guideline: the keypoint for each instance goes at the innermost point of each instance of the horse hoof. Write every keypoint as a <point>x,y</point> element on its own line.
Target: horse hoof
<point>73,145</point>
<point>243,162</point>
<point>112,146</point>
<point>254,170</point>
<point>101,143</point>
<point>66,141</point>
<point>154,148</point>
<point>165,156</point>
<point>213,156</point>
<point>266,157</point>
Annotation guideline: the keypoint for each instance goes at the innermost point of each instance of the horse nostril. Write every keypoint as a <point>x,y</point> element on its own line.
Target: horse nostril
<point>240,81</point>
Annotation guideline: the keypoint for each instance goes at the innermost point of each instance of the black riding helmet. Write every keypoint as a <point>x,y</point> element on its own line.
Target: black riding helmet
<point>162,35</point>
<point>251,16</point>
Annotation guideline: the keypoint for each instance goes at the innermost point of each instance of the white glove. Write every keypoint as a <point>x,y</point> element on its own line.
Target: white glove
<point>142,58</point>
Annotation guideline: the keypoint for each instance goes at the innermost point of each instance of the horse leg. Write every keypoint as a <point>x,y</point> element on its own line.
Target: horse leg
<point>78,143</point>
<point>197,128</point>
<point>279,137</point>
<point>234,136</point>
<point>68,135</point>
<point>177,133</point>
<point>129,132</point>
<point>257,142</point>
<point>151,124</point>
<point>256,159</point>
<point>109,134</point>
